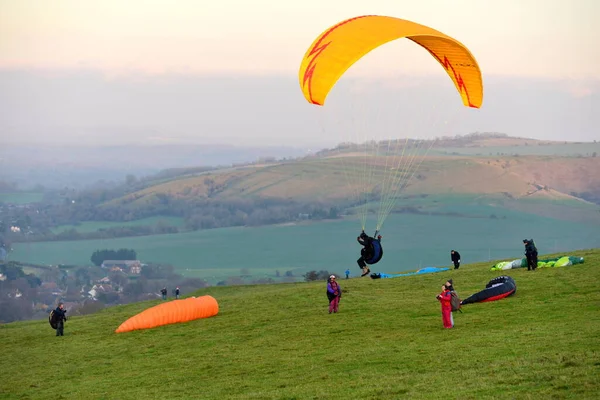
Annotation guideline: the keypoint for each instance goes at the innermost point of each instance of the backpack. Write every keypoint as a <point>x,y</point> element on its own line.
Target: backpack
<point>455,301</point>
<point>52,320</point>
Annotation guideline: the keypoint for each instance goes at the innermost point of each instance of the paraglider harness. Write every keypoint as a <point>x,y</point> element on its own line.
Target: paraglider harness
<point>54,319</point>
<point>372,251</point>
<point>455,301</point>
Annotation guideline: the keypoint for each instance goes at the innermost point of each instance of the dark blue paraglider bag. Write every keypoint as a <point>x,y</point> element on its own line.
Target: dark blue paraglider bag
<point>53,320</point>
<point>377,252</point>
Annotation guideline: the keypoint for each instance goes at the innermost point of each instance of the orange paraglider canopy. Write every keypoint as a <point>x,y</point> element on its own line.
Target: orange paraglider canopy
<point>340,46</point>
<point>173,312</point>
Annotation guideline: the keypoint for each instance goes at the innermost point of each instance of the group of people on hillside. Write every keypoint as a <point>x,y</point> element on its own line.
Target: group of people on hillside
<point>448,297</point>
<point>163,292</point>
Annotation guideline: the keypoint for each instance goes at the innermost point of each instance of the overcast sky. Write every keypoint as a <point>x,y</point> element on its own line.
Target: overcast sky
<point>144,70</point>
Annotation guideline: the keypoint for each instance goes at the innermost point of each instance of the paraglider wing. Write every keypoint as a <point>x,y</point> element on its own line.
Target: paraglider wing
<point>496,289</point>
<point>172,312</point>
<point>426,270</point>
<point>340,46</point>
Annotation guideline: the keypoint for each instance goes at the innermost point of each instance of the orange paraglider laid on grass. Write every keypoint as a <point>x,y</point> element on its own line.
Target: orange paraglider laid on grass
<point>173,312</point>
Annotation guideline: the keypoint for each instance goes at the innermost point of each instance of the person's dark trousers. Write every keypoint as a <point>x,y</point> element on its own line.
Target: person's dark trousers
<point>60,328</point>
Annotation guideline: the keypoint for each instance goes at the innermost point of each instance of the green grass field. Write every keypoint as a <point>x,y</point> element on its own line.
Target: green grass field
<point>279,342</point>
<point>92,226</point>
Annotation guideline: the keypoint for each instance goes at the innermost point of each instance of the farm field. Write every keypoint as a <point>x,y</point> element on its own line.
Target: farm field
<point>410,242</point>
<point>20,197</point>
<point>92,226</point>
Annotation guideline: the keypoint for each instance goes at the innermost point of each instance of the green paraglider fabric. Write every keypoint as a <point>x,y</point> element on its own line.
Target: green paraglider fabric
<point>561,261</point>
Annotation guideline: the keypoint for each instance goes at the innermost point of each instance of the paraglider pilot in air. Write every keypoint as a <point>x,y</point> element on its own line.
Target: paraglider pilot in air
<point>371,252</point>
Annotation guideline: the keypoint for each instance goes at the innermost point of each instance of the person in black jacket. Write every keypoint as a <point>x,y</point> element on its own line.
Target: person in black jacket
<point>455,257</point>
<point>365,253</point>
<point>60,317</point>
<point>369,253</point>
<point>531,254</point>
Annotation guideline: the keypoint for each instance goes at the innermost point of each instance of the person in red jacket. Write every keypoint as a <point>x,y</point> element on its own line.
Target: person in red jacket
<point>445,298</point>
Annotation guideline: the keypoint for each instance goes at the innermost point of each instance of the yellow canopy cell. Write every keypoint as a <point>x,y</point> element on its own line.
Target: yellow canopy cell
<point>340,46</point>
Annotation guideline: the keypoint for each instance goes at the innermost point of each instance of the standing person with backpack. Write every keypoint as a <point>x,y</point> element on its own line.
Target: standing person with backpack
<point>59,317</point>
<point>531,254</point>
<point>445,299</point>
<point>454,300</point>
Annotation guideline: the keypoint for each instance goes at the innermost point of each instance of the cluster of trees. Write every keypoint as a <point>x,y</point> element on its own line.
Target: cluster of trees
<point>198,213</point>
<point>209,213</point>
<point>321,275</point>
<point>105,233</point>
<point>99,256</point>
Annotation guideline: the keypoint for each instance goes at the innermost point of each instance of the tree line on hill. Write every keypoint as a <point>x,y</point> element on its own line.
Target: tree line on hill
<point>39,220</point>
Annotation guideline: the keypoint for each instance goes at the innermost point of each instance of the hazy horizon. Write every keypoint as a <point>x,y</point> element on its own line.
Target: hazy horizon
<point>115,73</point>
<point>87,108</point>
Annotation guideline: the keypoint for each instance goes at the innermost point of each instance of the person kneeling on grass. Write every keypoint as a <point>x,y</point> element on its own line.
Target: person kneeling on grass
<point>334,293</point>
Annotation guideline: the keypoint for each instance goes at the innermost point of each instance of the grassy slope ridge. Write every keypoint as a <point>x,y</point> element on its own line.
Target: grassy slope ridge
<point>279,342</point>
<point>553,178</point>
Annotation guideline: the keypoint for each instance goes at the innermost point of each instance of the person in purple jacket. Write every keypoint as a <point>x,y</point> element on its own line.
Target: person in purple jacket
<point>334,293</point>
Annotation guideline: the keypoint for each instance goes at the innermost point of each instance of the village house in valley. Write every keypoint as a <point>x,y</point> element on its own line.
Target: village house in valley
<point>133,267</point>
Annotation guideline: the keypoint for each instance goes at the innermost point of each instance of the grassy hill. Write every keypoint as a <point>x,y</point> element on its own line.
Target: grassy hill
<point>279,342</point>
<point>502,166</point>
<point>549,187</point>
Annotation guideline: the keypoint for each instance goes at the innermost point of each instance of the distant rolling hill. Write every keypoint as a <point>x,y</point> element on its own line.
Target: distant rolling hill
<point>503,170</point>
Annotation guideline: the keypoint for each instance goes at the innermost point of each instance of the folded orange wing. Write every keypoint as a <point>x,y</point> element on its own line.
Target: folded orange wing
<point>173,312</point>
